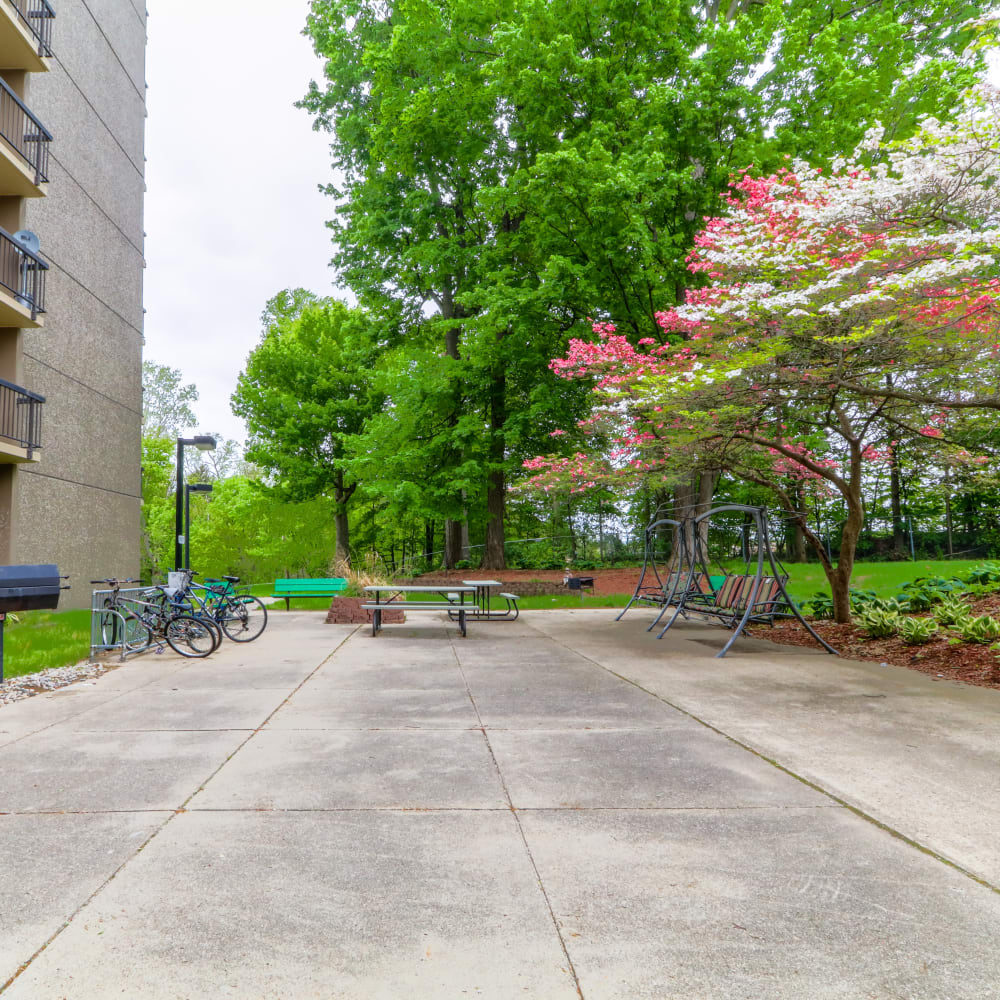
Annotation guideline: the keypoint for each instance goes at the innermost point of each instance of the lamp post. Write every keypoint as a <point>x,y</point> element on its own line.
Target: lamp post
<point>203,443</point>
<point>190,488</point>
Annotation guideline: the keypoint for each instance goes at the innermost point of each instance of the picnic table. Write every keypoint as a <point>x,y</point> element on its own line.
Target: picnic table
<point>483,611</point>
<point>450,598</point>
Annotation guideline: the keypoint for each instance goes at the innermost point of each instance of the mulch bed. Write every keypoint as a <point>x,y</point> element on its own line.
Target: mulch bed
<point>966,662</point>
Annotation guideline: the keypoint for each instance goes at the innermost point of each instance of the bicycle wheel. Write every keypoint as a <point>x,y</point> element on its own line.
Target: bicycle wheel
<point>137,633</point>
<point>243,618</point>
<point>212,625</point>
<point>189,636</point>
<point>110,625</point>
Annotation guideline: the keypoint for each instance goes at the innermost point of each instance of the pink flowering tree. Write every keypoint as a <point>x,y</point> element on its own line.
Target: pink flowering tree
<point>840,313</point>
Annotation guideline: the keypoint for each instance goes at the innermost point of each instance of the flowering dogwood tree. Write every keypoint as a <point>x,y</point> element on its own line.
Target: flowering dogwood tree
<point>842,312</point>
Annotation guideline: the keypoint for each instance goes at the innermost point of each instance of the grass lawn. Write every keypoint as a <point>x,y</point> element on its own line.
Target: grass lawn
<point>805,579</point>
<point>885,578</point>
<point>43,639</point>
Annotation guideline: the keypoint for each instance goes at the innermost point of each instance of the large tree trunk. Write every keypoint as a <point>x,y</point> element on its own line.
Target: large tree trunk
<point>496,487</point>
<point>466,545</point>
<point>428,541</point>
<point>839,576</point>
<point>452,528</point>
<point>452,543</point>
<point>692,499</point>
<point>707,481</point>
<point>342,546</point>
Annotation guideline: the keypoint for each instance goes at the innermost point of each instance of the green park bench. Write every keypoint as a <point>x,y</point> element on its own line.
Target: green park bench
<point>328,587</point>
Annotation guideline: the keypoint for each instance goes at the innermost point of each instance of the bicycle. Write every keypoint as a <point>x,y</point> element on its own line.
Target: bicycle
<point>241,616</point>
<point>174,603</point>
<point>135,623</point>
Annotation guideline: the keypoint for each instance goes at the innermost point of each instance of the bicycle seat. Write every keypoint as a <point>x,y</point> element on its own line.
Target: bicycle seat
<point>232,579</point>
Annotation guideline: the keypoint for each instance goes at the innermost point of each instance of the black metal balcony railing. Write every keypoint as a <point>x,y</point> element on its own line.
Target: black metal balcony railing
<point>24,133</point>
<point>22,273</point>
<point>37,17</point>
<point>20,416</point>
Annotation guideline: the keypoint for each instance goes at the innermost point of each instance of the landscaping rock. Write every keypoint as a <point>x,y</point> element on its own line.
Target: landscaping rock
<point>16,688</point>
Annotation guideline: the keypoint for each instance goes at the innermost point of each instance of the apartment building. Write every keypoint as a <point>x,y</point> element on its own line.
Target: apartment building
<point>72,119</point>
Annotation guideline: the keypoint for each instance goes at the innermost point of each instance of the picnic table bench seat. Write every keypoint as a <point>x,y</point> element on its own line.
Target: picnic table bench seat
<point>308,587</point>
<point>511,612</point>
<point>448,606</point>
<point>400,599</point>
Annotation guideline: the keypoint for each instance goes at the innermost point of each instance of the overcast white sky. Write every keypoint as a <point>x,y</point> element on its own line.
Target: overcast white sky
<point>233,214</point>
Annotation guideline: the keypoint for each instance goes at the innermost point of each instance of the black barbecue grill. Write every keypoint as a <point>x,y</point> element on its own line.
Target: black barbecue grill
<point>28,588</point>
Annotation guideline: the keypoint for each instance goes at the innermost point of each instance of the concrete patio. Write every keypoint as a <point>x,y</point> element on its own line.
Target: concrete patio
<point>557,807</point>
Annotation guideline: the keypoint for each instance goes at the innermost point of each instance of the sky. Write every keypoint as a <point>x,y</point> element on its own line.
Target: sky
<point>233,211</point>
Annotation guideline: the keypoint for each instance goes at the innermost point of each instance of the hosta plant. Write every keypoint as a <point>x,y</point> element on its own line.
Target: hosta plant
<point>820,605</point>
<point>917,631</point>
<point>879,623</point>
<point>923,593</point>
<point>982,629</point>
<point>985,573</point>
<point>951,610</point>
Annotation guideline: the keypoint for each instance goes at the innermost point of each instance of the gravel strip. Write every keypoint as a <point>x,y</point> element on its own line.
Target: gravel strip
<point>16,688</point>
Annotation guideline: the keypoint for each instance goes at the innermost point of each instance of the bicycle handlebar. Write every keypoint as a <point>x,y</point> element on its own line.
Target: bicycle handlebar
<point>114,583</point>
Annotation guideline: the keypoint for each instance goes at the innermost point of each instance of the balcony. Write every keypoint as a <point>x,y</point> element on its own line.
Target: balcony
<point>22,283</point>
<point>24,147</point>
<point>20,423</point>
<point>26,34</point>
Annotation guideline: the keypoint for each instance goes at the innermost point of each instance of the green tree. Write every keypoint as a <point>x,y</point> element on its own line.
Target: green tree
<point>514,167</point>
<point>157,506</point>
<point>306,392</point>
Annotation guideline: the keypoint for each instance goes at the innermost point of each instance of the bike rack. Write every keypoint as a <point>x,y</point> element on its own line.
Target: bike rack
<point>133,600</point>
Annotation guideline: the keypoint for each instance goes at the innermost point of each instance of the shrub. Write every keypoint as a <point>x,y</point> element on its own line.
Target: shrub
<point>921,594</point>
<point>981,629</point>
<point>917,631</point>
<point>868,600</point>
<point>820,605</point>
<point>951,610</point>
<point>879,623</point>
<point>985,573</point>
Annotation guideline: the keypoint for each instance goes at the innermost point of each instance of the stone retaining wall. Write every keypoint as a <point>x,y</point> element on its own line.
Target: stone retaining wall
<point>348,611</point>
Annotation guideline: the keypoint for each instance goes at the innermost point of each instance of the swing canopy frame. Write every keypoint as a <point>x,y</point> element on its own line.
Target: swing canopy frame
<point>687,588</point>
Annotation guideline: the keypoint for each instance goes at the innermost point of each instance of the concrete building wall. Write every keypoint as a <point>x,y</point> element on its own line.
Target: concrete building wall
<point>79,504</point>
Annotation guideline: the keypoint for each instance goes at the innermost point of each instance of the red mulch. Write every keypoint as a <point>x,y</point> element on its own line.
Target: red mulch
<point>966,662</point>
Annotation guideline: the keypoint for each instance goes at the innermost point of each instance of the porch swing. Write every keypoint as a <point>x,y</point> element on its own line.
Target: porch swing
<point>756,596</point>
<point>662,589</point>
<point>651,588</point>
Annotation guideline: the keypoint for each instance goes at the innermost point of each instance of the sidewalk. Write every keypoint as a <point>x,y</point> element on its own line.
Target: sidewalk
<point>557,807</point>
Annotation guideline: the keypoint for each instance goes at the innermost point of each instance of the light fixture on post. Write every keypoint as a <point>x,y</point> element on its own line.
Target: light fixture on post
<point>203,442</point>
<point>190,488</point>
